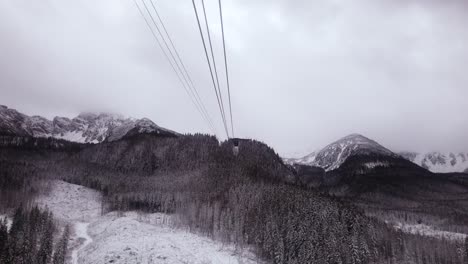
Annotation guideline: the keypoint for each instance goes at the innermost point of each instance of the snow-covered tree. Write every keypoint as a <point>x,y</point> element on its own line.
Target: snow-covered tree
<point>61,247</point>
<point>466,250</point>
<point>3,240</point>
<point>44,255</point>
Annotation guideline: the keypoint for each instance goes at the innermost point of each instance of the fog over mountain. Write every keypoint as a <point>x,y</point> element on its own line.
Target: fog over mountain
<point>303,73</point>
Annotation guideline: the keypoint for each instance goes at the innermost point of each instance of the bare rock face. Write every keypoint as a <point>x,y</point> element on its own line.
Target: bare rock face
<point>85,128</point>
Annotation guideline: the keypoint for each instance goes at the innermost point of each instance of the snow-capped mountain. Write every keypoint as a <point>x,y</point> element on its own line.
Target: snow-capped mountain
<point>85,128</point>
<point>335,154</point>
<point>442,162</point>
<point>307,159</point>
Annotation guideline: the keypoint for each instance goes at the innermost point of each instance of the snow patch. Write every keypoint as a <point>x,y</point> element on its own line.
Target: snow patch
<point>8,219</point>
<point>132,239</point>
<point>439,162</point>
<point>71,203</point>
<point>425,230</point>
<point>81,230</point>
<point>73,136</point>
<point>372,165</point>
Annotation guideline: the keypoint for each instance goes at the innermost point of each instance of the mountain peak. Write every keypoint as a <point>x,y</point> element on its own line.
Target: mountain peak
<point>357,138</point>
<point>354,135</point>
<point>333,155</point>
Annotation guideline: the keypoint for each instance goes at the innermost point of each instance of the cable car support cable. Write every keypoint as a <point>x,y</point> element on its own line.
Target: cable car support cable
<point>182,69</point>
<point>214,62</point>
<point>170,62</point>
<point>226,67</point>
<point>210,68</point>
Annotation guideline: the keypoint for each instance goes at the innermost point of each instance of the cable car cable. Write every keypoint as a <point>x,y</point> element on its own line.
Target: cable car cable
<point>226,67</point>
<point>167,57</point>
<point>209,65</point>
<point>214,61</point>
<point>172,55</point>
<point>187,77</point>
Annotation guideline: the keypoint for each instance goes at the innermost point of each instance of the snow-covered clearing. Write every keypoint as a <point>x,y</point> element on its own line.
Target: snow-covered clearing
<point>425,230</point>
<point>81,233</point>
<point>129,237</point>
<point>71,203</point>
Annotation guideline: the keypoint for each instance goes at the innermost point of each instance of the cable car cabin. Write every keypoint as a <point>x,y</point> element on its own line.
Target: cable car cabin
<point>235,147</point>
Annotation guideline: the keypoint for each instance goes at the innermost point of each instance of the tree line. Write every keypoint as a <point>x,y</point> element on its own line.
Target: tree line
<point>30,238</point>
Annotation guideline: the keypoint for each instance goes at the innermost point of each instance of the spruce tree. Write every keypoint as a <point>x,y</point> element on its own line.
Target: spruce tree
<point>3,241</point>
<point>61,247</point>
<point>18,221</point>
<point>44,255</point>
<point>466,250</point>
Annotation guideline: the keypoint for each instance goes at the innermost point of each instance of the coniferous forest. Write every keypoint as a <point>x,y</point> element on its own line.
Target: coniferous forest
<point>32,238</point>
<point>252,200</point>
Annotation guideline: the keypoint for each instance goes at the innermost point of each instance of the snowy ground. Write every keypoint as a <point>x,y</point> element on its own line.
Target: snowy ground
<point>426,230</point>
<point>129,238</point>
<point>71,202</point>
<point>81,234</point>
<point>9,222</point>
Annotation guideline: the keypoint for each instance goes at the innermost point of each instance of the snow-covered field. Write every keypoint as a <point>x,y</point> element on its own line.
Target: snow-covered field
<point>130,237</point>
<point>425,230</point>
<point>71,203</point>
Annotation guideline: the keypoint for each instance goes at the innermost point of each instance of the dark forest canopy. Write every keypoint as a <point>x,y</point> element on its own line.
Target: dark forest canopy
<point>32,238</point>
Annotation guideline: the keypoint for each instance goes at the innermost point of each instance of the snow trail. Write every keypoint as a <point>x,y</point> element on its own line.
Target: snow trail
<point>81,230</point>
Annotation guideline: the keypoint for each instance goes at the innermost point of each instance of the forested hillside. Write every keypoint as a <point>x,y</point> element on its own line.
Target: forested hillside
<point>252,200</point>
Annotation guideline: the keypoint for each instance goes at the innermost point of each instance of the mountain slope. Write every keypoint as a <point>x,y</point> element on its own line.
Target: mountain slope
<point>85,128</point>
<point>209,189</point>
<point>439,161</point>
<point>332,156</point>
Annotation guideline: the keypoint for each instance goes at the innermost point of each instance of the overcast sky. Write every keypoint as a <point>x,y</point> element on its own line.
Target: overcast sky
<point>303,73</point>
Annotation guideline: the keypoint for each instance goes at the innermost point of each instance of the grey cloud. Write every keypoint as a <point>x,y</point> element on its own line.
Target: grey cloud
<point>303,73</point>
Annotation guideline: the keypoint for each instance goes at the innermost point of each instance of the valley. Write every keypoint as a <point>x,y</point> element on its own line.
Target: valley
<point>152,198</point>
<point>233,132</point>
<point>129,237</point>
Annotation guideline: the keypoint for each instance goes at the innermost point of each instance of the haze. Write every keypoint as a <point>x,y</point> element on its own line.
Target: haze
<point>303,73</point>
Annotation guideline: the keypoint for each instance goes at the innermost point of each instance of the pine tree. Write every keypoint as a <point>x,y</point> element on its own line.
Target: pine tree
<point>466,250</point>
<point>18,222</point>
<point>61,247</point>
<point>3,241</point>
<point>44,255</point>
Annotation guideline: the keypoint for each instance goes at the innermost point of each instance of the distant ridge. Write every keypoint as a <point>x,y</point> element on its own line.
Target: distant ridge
<point>85,128</point>
<point>442,162</point>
